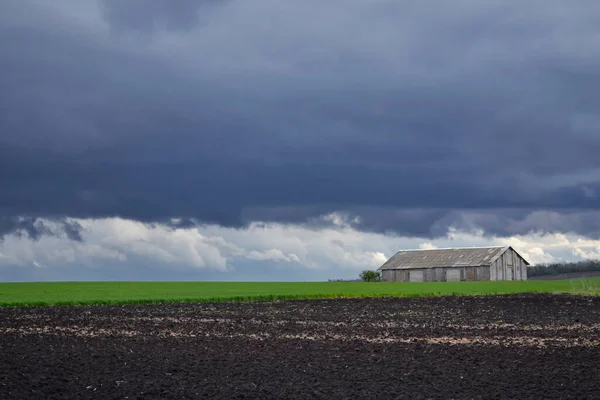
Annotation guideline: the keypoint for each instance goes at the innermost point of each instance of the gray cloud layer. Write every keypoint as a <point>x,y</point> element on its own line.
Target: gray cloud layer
<point>412,116</point>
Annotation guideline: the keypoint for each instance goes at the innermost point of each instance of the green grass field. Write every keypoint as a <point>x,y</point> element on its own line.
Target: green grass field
<point>70,293</point>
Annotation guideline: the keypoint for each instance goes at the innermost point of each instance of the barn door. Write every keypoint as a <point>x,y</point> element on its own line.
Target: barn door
<point>509,266</point>
<point>453,275</point>
<point>470,274</point>
<point>416,276</point>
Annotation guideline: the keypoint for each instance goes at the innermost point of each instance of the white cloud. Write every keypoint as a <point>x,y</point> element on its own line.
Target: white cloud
<point>339,250</point>
<point>427,246</point>
<point>272,255</point>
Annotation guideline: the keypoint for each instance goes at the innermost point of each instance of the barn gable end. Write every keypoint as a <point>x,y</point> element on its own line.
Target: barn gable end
<point>509,266</point>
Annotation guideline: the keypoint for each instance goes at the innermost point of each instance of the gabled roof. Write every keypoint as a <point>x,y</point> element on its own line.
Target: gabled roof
<point>456,257</point>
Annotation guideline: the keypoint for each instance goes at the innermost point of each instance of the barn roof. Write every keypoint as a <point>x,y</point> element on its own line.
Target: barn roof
<point>435,258</point>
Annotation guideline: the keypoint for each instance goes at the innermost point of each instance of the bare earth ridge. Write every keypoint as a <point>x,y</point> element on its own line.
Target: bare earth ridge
<point>513,346</point>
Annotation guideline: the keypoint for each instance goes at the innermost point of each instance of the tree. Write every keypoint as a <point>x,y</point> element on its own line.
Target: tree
<point>370,276</point>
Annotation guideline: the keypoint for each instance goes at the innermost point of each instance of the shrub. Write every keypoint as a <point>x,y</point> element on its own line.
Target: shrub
<point>370,276</point>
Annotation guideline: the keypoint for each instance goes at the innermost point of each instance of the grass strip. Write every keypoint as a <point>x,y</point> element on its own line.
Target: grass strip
<point>115,293</point>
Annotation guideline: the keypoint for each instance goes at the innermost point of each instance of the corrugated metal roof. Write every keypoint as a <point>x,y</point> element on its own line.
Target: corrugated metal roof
<point>435,258</point>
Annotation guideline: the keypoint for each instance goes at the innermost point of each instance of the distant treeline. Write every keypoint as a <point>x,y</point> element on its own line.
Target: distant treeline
<point>564,268</point>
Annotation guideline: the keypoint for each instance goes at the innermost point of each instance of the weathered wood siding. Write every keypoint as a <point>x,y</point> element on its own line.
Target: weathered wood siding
<point>482,273</point>
<point>401,275</point>
<point>509,267</point>
<point>436,274</point>
<point>454,274</point>
<point>416,275</point>
<point>387,275</point>
<point>440,274</point>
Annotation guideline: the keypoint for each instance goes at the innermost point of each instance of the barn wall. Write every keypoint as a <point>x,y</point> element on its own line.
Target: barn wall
<point>454,275</point>
<point>401,275</point>
<point>394,275</point>
<point>465,274</point>
<point>509,266</point>
<point>430,275</point>
<point>438,274</point>
<point>387,275</point>
<point>417,275</point>
<point>469,274</point>
<point>482,273</point>
<point>523,268</point>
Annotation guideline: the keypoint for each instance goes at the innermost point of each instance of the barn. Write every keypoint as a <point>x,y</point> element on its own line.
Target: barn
<point>457,264</point>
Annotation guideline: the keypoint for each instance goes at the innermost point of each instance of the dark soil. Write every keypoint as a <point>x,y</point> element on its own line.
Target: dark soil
<point>521,347</point>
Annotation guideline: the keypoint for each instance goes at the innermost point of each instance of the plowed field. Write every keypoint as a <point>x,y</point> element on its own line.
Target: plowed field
<point>514,346</point>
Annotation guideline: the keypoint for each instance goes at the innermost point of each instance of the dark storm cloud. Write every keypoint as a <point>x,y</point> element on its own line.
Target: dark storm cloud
<point>27,226</point>
<point>34,228</point>
<point>156,15</point>
<point>434,222</point>
<point>413,118</point>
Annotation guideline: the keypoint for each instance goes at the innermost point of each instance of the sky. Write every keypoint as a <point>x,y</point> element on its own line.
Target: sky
<point>296,140</point>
